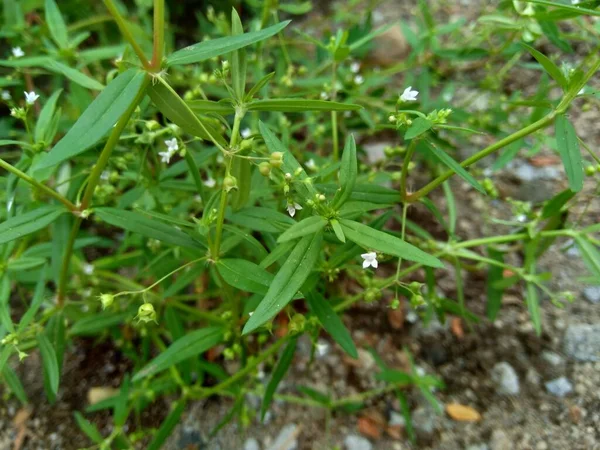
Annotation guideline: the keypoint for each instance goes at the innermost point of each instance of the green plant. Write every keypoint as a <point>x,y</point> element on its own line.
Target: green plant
<point>247,207</point>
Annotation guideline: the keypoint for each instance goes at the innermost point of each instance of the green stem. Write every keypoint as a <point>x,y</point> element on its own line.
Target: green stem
<point>334,123</point>
<point>405,164</point>
<point>122,24</point>
<point>113,139</point>
<point>189,159</point>
<point>9,168</point>
<point>158,50</point>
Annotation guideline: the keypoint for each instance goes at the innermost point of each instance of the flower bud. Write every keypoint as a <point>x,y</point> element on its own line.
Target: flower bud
<point>146,313</point>
<point>297,323</point>
<point>590,170</point>
<point>246,145</point>
<point>264,168</point>
<point>230,183</point>
<point>106,300</point>
<point>276,159</point>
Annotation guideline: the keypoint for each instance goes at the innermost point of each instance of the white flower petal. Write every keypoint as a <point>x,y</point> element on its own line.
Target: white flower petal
<point>291,210</point>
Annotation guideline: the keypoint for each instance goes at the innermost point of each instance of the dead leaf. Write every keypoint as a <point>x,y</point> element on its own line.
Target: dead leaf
<point>97,394</point>
<point>20,423</point>
<point>456,327</point>
<point>369,428</point>
<point>462,413</point>
<point>544,160</point>
<point>394,431</point>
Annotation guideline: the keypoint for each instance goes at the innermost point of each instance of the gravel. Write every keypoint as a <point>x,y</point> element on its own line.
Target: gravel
<point>559,387</point>
<point>506,379</point>
<point>592,294</point>
<point>354,442</point>
<point>582,342</point>
<point>251,444</point>
<point>287,438</point>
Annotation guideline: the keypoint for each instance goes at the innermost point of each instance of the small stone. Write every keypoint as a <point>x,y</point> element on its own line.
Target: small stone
<point>506,378</point>
<point>375,150</point>
<point>423,420</point>
<point>541,446</point>
<point>592,294</point>
<point>559,387</point>
<point>533,377</point>
<point>582,342</point>
<point>500,441</point>
<point>354,442</point>
<point>478,447</point>
<point>554,359</point>
<point>251,444</point>
<point>396,419</point>
<point>287,439</point>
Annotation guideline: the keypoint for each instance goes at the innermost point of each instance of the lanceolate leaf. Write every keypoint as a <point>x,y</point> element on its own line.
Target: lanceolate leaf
<point>331,322</point>
<point>216,47</point>
<point>43,123</point>
<point>455,167</point>
<point>74,75</point>
<point>370,238</point>
<point>309,225</point>
<point>209,106</point>
<point>348,173</point>
<point>177,111</point>
<point>192,344</point>
<point>56,24</point>
<point>418,127</point>
<point>590,255</point>
<point>98,119</point>
<point>568,147</point>
<point>278,373</point>
<point>548,66</point>
<point>167,427</point>
<point>288,281</point>
<point>51,372</point>
<point>245,275</point>
<point>138,223</point>
<point>299,105</point>
<point>29,222</point>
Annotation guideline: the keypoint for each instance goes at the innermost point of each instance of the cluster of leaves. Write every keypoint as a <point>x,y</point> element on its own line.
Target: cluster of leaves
<point>251,212</point>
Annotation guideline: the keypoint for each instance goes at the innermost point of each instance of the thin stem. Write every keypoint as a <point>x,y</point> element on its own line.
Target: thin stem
<point>189,159</point>
<point>405,164</point>
<point>159,34</point>
<point>64,269</point>
<point>10,168</point>
<point>334,123</point>
<point>122,24</point>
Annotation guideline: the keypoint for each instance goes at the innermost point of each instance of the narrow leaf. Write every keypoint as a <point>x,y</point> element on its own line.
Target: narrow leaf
<point>88,428</point>
<point>29,222</point>
<point>192,344</point>
<point>56,24</point>
<point>74,75</point>
<point>51,372</point>
<point>419,126</point>
<point>310,225</point>
<point>278,373</point>
<point>288,281</point>
<point>167,427</point>
<point>98,119</point>
<point>245,275</point>
<point>455,167</point>
<point>348,172</point>
<point>370,238</point>
<point>45,119</point>
<point>331,322</point>
<point>494,293</point>
<point>548,66</point>
<point>299,105</point>
<point>220,46</point>
<point>568,148</point>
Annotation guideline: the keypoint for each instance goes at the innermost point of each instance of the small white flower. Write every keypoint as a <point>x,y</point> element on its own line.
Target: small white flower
<point>409,95</point>
<point>522,218</point>
<point>581,91</point>
<point>575,2</point>
<point>104,175</point>
<point>88,269</point>
<point>250,313</point>
<point>18,52</point>
<point>311,164</point>
<point>358,79</point>
<point>172,145</point>
<point>6,95</point>
<point>14,112</point>
<point>245,133</point>
<point>166,156</point>
<point>292,208</point>
<point>31,97</point>
<point>354,67</point>
<point>321,348</point>
<point>370,259</point>
<point>324,95</point>
<point>210,182</point>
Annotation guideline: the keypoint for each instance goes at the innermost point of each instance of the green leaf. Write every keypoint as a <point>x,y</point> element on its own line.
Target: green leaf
<point>24,263</point>
<point>88,428</point>
<point>288,281</point>
<point>96,323</point>
<point>310,225</point>
<point>140,224</point>
<point>12,381</point>
<point>242,171</point>
<point>277,254</point>
<point>419,126</point>
<point>192,344</point>
<point>184,280</point>
<point>36,302</point>
<point>577,10</point>
<point>299,105</point>
<point>371,193</point>
<point>177,111</point>
<point>167,427</point>
<point>331,322</point>
<point>494,294</point>
<point>590,255</point>
<point>29,222</point>
<point>259,85</point>
<point>548,66</point>
<point>5,319</point>
<point>220,46</point>
<point>42,125</point>
<point>209,106</point>
<point>555,205</point>
<point>455,167</point>
<point>245,275</point>
<point>98,119</point>
<point>278,373</point>
<point>56,24</point>
<point>74,75</point>
<point>51,372</point>
<point>259,218</point>
<point>238,58</point>
<point>296,8</point>
<point>568,148</point>
<point>348,172</point>
<point>395,377</point>
<point>533,305</point>
<point>337,229</point>
<point>370,238</point>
